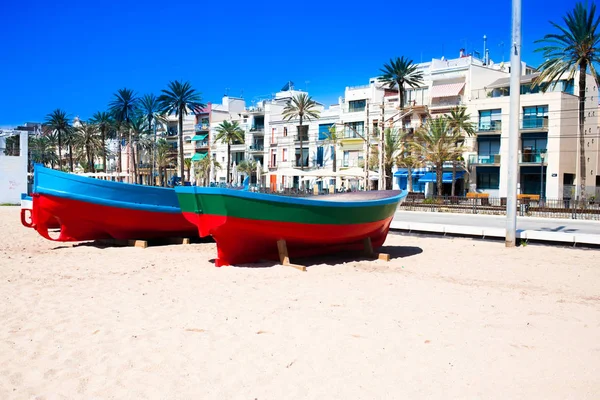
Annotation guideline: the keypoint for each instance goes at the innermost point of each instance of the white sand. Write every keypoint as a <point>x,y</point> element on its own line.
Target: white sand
<point>447,318</point>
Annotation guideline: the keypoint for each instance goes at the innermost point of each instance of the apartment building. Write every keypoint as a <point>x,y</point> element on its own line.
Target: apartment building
<point>548,138</point>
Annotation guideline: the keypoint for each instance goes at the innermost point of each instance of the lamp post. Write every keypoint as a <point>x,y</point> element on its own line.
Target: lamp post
<point>542,158</point>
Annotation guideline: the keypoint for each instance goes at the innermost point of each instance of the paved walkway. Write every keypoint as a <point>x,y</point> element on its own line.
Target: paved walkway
<point>530,228</point>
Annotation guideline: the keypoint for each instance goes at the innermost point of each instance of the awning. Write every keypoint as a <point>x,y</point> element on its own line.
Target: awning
<point>198,156</point>
<point>199,137</point>
<point>446,177</point>
<point>447,90</point>
<point>403,172</point>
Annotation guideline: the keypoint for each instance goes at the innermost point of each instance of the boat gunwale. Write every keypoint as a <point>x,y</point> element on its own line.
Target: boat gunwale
<point>301,201</point>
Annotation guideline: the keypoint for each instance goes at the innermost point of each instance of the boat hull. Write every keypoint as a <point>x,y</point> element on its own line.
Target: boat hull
<point>247,226</point>
<point>91,209</point>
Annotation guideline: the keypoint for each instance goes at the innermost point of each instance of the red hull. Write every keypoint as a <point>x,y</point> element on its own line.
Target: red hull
<point>80,221</point>
<point>241,240</point>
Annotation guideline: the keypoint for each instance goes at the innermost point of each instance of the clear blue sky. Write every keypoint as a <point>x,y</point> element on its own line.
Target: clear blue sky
<point>75,54</point>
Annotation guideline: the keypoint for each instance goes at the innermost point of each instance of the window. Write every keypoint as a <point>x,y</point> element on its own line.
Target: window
<point>284,154</point>
<point>532,145</point>
<point>273,159</point>
<point>324,131</point>
<point>304,158</point>
<point>284,131</point>
<point>351,158</point>
<point>273,131</point>
<point>489,120</point>
<point>320,156</point>
<point>354,129</point>
<point>488,177</point>
<point>488,146</point>
<point>357,105</point>
<point>535,117</point>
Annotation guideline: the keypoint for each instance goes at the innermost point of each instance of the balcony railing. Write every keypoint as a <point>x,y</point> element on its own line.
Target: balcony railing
<point>201,144</point>
<point>172,131</point>
<point>201,127</point>
<point>447,102</point>
<point>535,156</point>
<point>490,126</point>
<point>257,147</point>
<point>489,159</point>
<point>304,138</point>
<point>535,123</point>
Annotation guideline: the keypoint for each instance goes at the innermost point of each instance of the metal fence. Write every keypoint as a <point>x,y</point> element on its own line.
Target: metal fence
<point>526,206</point>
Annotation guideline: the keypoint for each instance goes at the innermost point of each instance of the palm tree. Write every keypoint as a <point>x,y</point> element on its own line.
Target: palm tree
<point>150,106</point>
<point>57,122</point>
<point>333,139</point>
<point>123,106</point>
<point>247,167</point>
<point>42,150</point>
<point>574,47</point>
<point>302,107</point>
<point>87,139</point>
<point>229,133</point>
<point>460,121</point>
<point>188,166</point>
<point>400,72</point>
<point>436,143</point>
<point>180,98</point>
<point>137,130</point>
<point>202,169</point>
<point>104,121</point>
<point>393,146</point>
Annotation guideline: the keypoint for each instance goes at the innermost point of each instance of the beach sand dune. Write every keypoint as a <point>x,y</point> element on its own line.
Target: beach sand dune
<point>446,318</point>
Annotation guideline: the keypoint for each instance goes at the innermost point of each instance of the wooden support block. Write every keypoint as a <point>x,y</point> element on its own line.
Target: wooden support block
<point>178,240</point>
<point>383,256</point>
<point>284,258</point>
<point>368,248</point>
<point>138,243</point>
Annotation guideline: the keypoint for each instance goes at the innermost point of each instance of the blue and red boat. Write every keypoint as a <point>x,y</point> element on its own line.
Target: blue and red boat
<point>92,209</point>
<point>248,225</point>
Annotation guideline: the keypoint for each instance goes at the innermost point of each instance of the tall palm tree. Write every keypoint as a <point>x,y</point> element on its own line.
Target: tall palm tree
<point>42,150</point>
<point>137,130</point>
<point>333,139</point>
<point>163,159</point>
<point>150,107</point>
<point>461,122</point>
<point>57,122</point>
<point>203,167</point>
<point>188,168</point>
<point>573,48</point>
<point>229,133</point>
<point>104,121</point>
<point>86,138</point>
<point>123,107</point>
<point>436,143</point>
<point>302,107</point>
<point>180,98</point>
<point>400,72</point>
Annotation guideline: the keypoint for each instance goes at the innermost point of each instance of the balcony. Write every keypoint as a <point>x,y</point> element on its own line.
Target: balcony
<point>475,159</point>
<point>258,130</point>
<point>238,147</point>
<point>201,127</point>
<point>489,126</point>
<point>446,102</point>
<point>533,157</point>
<point>304,138</point>
<point>201,144</point>
<point>535,123</point>
<point>255,148</point>
<point>172,131</point>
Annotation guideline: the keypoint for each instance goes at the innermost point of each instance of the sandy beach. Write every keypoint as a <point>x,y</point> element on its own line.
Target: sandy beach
<point>446,318</point>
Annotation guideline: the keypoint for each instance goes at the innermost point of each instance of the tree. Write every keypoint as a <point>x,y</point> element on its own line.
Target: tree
<point>163,159</point>
<point>123,107</point>
<point>229,133</point>
<point>104,121</point>
<point>436,143</point>
<point>180,98</point>
<point>202,169</point>
<point>41,150</point>
<point>137,130</point>
<point>86,139</point>
<point>460,121</point>
<point>188,167</point>
<point>247,167</point>
<point>302,106</point>
<point>150,107</point>
<point>400,72</point>
<point>393,146</point>
<point>333,139</point>
<point>57,122</point>
<point>573,48</point>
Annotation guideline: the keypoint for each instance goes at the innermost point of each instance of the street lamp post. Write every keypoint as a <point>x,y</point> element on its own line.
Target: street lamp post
<point>542,158</point>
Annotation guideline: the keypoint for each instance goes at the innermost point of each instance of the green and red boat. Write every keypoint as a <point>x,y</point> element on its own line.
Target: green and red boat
<point>247,225</point>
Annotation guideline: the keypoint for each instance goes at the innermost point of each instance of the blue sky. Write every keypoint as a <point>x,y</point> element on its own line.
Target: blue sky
<point>74,55</point>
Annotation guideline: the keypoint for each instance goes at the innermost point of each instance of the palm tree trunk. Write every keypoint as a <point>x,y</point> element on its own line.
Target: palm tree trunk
<point>119,150</point>
<point>228,161</point>
<point>133,161</point>
<point>582,170</point>
<point>438,173</point>
<point>59,152</point>
<point>129,156</point>
<point>453,178</point>
<point>71,157</point>
<point>181,166</point>
<point>301,134</point>
<point>409,183</point>
<point>104,148</point>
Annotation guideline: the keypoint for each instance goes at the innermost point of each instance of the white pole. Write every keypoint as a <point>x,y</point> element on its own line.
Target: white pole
<point>513,126</point>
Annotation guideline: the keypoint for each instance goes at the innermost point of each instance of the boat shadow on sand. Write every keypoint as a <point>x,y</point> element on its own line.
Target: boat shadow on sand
<point>395,252</point>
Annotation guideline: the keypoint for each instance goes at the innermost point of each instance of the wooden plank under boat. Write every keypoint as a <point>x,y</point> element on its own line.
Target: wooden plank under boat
<point>93,209</point>
<point>247,225</point>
